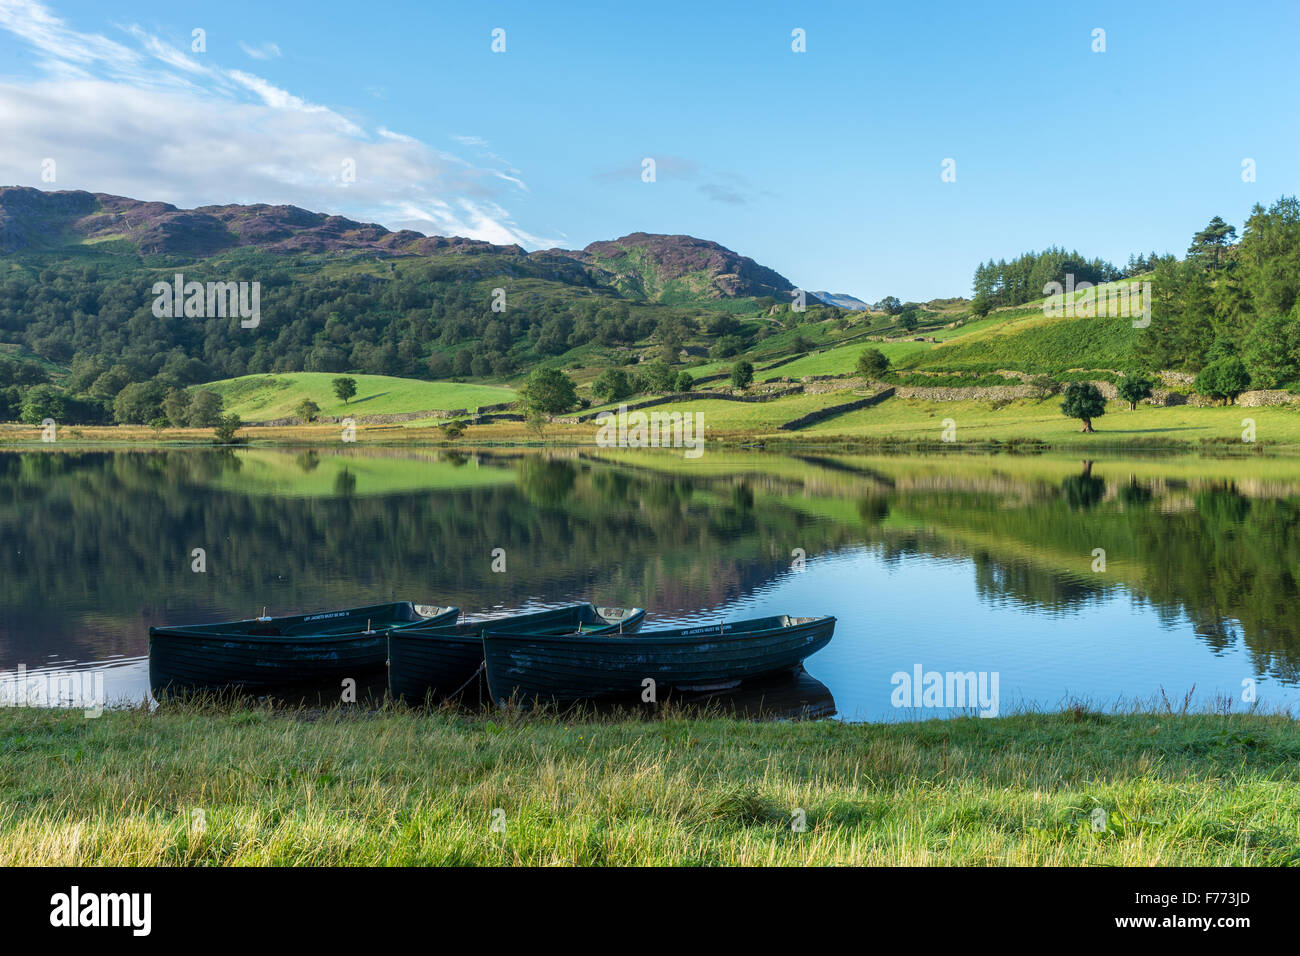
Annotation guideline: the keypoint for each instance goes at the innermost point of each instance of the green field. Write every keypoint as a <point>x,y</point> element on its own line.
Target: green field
<point>750,417</point>
<point>347,788</point>
<point>1022,338</point>
<point>842,360</point>
<point>914,419</point>
<point>1038,344</point>
<point>257,398</point>
<point>917,419</point>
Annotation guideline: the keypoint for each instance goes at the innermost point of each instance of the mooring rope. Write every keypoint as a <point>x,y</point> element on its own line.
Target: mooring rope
<point>457,691</point>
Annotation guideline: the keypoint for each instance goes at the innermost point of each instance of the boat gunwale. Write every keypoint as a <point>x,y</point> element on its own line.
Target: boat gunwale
<point>670,636</point>
<point>635,615</point>
<point>210,632</point>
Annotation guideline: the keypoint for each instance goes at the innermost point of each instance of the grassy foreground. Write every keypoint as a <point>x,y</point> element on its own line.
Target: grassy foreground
<point>187,786</point>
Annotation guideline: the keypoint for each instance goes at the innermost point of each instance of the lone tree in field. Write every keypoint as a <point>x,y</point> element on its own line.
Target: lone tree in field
<point>345,388</point>
<point>308,411</point>
<point>1083,400</point>
<point>1133,388</point>
<point>872,363</point>
<point>1224,378</point>
<point>547,392</point>
<point>742,375</point>
<point>226,428</point>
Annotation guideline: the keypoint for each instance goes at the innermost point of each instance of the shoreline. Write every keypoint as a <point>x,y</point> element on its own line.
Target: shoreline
<point>314,436</point>
<point>840,420</point>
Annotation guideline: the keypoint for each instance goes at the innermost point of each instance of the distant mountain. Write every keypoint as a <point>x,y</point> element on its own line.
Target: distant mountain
<point>34,219</point>
<point>842,300</point>
<point>676,268</point>
<point>655,268</point>
<point>78,272</point>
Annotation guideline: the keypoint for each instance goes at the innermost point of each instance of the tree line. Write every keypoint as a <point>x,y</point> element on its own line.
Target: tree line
<point>90,314</point>
<point>1021,280</point>
<point>1230,310</point>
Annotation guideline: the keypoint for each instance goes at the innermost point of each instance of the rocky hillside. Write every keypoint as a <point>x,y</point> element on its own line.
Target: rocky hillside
<point>677,268</point>
<point>33,219</point>
<point>655,268</point>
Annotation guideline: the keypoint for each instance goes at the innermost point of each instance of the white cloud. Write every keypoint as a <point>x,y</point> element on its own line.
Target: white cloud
<point>47,33</point>
<point>396,137</point>
<point>263,51</point>
<point>156,123</point>
<point>503,169</point>
<point>167,53</point>
<point>275,97</point>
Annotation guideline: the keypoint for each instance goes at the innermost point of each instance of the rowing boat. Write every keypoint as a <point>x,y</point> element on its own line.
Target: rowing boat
<point>275,652</point>
<point>429,662</point>
<point>563,668</point>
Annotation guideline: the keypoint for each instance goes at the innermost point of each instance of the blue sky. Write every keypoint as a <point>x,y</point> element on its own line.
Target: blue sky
<point>824,165</point>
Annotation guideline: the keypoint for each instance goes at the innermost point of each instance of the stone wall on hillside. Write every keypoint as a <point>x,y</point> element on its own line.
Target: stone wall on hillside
<point>766,395</point>
<point>1266,396</point>
<point>364,419</point>
<point>965,393</point>
<point>831,411</point>
<point>386,419</point>
<point>822,385</point>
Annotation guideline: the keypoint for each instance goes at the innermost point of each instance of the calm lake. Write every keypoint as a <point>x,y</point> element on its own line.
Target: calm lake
<point>1108,581</point>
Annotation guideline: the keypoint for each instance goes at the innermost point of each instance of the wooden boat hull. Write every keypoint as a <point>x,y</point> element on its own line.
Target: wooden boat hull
<point>429,663</point>
<point>528,667</point>
<point>310,649</point>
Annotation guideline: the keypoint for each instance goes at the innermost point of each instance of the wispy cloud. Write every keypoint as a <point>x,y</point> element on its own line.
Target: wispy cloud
<point>499,166</point>
<point>720,192</point>
<point>263,51</point>
<point>145,118</point>
<point>717,185</point>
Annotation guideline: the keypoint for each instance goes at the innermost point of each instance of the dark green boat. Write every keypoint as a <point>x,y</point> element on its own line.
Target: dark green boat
<point>279,652</point>
<point>576,667</point>
<point>426,661</point>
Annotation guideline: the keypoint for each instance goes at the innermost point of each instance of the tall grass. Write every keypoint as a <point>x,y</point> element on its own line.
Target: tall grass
<point>202,786</point>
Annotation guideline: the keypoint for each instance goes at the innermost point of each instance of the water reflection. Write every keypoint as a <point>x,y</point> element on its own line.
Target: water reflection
<point>956,556</point>
<point>797,696</point>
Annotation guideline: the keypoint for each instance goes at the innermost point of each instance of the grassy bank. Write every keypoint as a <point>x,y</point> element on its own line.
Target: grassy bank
<point>395,787</point>
<point>901,421</point>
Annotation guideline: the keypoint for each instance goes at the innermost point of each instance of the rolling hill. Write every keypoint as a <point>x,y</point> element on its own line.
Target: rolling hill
<point>650,267</point>
<point>433,323</point>
<point>260,398</point>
